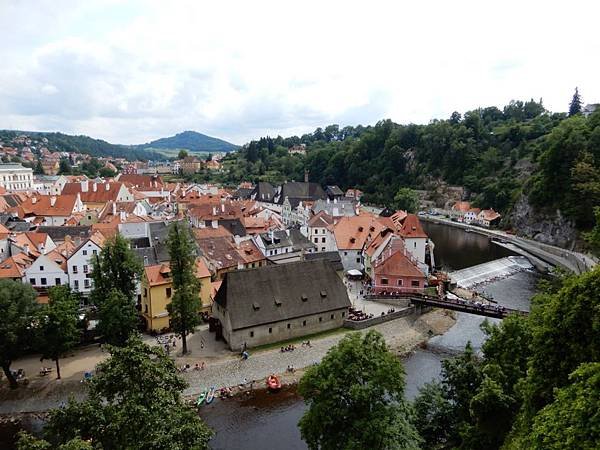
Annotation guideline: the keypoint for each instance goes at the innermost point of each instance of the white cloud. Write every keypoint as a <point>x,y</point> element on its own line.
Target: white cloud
<point>130,72</point>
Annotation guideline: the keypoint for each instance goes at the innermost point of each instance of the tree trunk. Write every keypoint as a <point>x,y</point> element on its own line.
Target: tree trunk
<point>184,350</point>
<point>9,376</point>
<point>57,369</point>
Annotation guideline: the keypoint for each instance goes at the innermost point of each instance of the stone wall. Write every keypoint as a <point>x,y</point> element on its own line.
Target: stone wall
<point>353,325</point>
<point>286,329</point>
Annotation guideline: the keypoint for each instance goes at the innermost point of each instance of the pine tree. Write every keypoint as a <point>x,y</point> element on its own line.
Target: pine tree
<point>575,106</point>
<point>185,304</point>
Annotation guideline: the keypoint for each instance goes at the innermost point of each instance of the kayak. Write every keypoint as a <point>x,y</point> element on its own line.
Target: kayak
<point>201,397</point>
<point>210,396</point>
<point>273,383</point>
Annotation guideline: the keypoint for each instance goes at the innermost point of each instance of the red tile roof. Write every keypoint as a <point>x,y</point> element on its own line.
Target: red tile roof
<point>411,228</point>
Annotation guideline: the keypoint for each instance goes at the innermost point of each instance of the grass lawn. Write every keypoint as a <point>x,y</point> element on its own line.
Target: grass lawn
<point>300,339</point>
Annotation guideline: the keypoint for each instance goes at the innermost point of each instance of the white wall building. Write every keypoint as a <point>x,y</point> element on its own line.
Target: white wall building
<point>15,177</point>
<point>46,272</point>
<point>79,266</point>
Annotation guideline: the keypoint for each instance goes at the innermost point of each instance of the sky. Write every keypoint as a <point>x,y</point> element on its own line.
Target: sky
<point>133,71</point>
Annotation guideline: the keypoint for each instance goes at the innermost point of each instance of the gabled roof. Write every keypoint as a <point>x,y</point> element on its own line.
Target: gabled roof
<point>100,195</point>
<point>158,274</point>
<point>15,266</point>
<point>321,219</point>
<point>354,233</point>
<point>411,227</point>
<point>281,292</point>
<point>399,265</point>
<point>489,215</point>
<point>297,191</point>
<point>461,206</point>
<point>143,182</point>
<point>48,205</point>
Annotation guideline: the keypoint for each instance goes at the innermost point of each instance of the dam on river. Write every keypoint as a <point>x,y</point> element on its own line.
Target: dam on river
<point>490,271</point>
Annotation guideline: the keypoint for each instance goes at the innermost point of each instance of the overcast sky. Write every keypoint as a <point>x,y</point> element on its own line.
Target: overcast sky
<point>133,71</point>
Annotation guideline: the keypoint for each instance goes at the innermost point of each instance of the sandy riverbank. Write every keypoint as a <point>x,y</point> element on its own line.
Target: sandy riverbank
<point>402,335</point>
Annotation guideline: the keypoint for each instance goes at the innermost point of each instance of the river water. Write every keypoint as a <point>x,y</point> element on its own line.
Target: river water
<point>265,421</point>
<point>271,421</point>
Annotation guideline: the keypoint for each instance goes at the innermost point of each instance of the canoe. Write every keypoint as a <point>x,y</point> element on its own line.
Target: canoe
<point>201,397</point>
<point>210,396</point>
<point>273,383</point>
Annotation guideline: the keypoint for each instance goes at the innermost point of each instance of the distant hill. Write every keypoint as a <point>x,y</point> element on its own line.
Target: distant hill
<point>193,141</point>
<point>83,144</point>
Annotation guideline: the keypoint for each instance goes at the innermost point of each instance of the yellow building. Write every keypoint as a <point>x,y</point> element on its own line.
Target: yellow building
<point>157,292</point>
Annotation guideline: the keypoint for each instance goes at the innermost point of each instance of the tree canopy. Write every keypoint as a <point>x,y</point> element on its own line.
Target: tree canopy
<point>355,398</point>
<point>134,402</point>
<point>18,314</point>
<point>185,304</point>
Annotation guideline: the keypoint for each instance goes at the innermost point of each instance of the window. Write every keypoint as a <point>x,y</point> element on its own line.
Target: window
<point>399,282</point>
<point>289,326</point>
<point>384,281</point>
<point>86,283</point>
<point>74,269</point>
<point>322,249</point>
<point>323,240</point>
<point>320,319</point>
<point>43,281</point>
<point>32,281</point>
<point>415,283</point>
<point>343,314</point>
<point>95,252</point>
<point>252,334</point>
<point>145,292</point>
<point>84,253</point>
<point>304,323</point>
<point>57,281</point>
<point>316,240</point>
<point>146,308</point>
<point>168,292</point>
<point>345,253</point>
<point>76,284</point>
<point>42,268</point>
<point>85,268</point>
<point>358,260</point>
<point>332,316</point>
<point>270,330</point>
<point>415,245</point>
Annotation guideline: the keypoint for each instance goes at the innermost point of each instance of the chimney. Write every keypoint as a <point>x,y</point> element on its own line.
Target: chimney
<point>107,185</point>
<point>222,207</point>
<point>84,185</point>
<point>214,223</point>
<point>33,200</point>
<point>145,260</point>
<point>114,209</point>
<point>94,187</point>
<point>26,248</point>
<point>214,211</point>
<point>122,216</point>
<point>52,201</point>
<point>306,175</point>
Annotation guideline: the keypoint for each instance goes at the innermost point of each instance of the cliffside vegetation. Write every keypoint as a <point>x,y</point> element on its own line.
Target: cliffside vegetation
<point>495,154</point>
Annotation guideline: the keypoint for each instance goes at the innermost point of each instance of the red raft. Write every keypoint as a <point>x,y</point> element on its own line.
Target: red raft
<point>273,383</point>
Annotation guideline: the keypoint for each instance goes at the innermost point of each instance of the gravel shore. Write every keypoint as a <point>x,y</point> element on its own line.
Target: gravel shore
<point>402,335</point>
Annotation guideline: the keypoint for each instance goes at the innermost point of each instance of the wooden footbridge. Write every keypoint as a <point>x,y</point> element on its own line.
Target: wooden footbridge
<point>480,309</point>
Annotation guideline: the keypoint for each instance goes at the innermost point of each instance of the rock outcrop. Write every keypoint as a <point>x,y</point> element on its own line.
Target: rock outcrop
<point>549,227</point>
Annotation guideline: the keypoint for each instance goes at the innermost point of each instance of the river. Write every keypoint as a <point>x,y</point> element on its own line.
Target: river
<point>271,421</point>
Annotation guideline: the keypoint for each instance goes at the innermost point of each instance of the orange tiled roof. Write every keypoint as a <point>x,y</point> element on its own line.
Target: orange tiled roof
<point>398,264</point>
<point>411,228</point>
<point>208,232</point>
<point>15,266</point>
<point>158,274</point>
<point>461,206</point>
<point>353,233</point>
<point>48,205</point>
<point>100,195</point>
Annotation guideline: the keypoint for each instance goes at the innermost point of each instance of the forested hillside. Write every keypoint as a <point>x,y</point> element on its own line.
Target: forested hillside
<point>191,140</point>
<point>84,144</point>
<point>495,154</point>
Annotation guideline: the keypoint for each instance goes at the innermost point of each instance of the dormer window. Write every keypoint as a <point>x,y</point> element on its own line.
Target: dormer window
<point>278,302</point>
<point>255,306</point>
<point>360,229</point>
<point>352,240</point>
<point>304,298</point>
<point>323,293</point>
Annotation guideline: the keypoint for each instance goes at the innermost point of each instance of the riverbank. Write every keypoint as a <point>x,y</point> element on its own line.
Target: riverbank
<point>402,335</point>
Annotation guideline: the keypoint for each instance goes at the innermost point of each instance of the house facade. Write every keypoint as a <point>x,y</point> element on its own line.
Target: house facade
<point>15,177</point>
<point>80,263</point>
<point>274,303</point>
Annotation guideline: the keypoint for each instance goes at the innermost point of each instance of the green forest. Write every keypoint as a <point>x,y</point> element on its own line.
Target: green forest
<point>497,155</point>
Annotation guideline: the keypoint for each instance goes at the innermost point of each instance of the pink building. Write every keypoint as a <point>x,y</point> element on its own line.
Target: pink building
<point>396,273</point>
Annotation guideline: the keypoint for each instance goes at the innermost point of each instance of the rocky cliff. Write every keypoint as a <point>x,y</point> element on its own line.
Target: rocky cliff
<point>550,227</point>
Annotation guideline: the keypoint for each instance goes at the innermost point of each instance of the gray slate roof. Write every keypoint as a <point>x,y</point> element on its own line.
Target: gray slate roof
<point>333,257</point>
<point>281,292</point>
<point>297,191</point>
<point>58,234</point>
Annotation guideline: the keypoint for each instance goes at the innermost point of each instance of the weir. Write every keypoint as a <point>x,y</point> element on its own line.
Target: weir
<point>493,270</point>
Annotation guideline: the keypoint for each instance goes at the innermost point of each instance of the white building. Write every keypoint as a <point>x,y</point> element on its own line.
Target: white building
<point>15,177</point>
<point>47,271</point>
<point>320,232</point>
<point>79,265</point>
